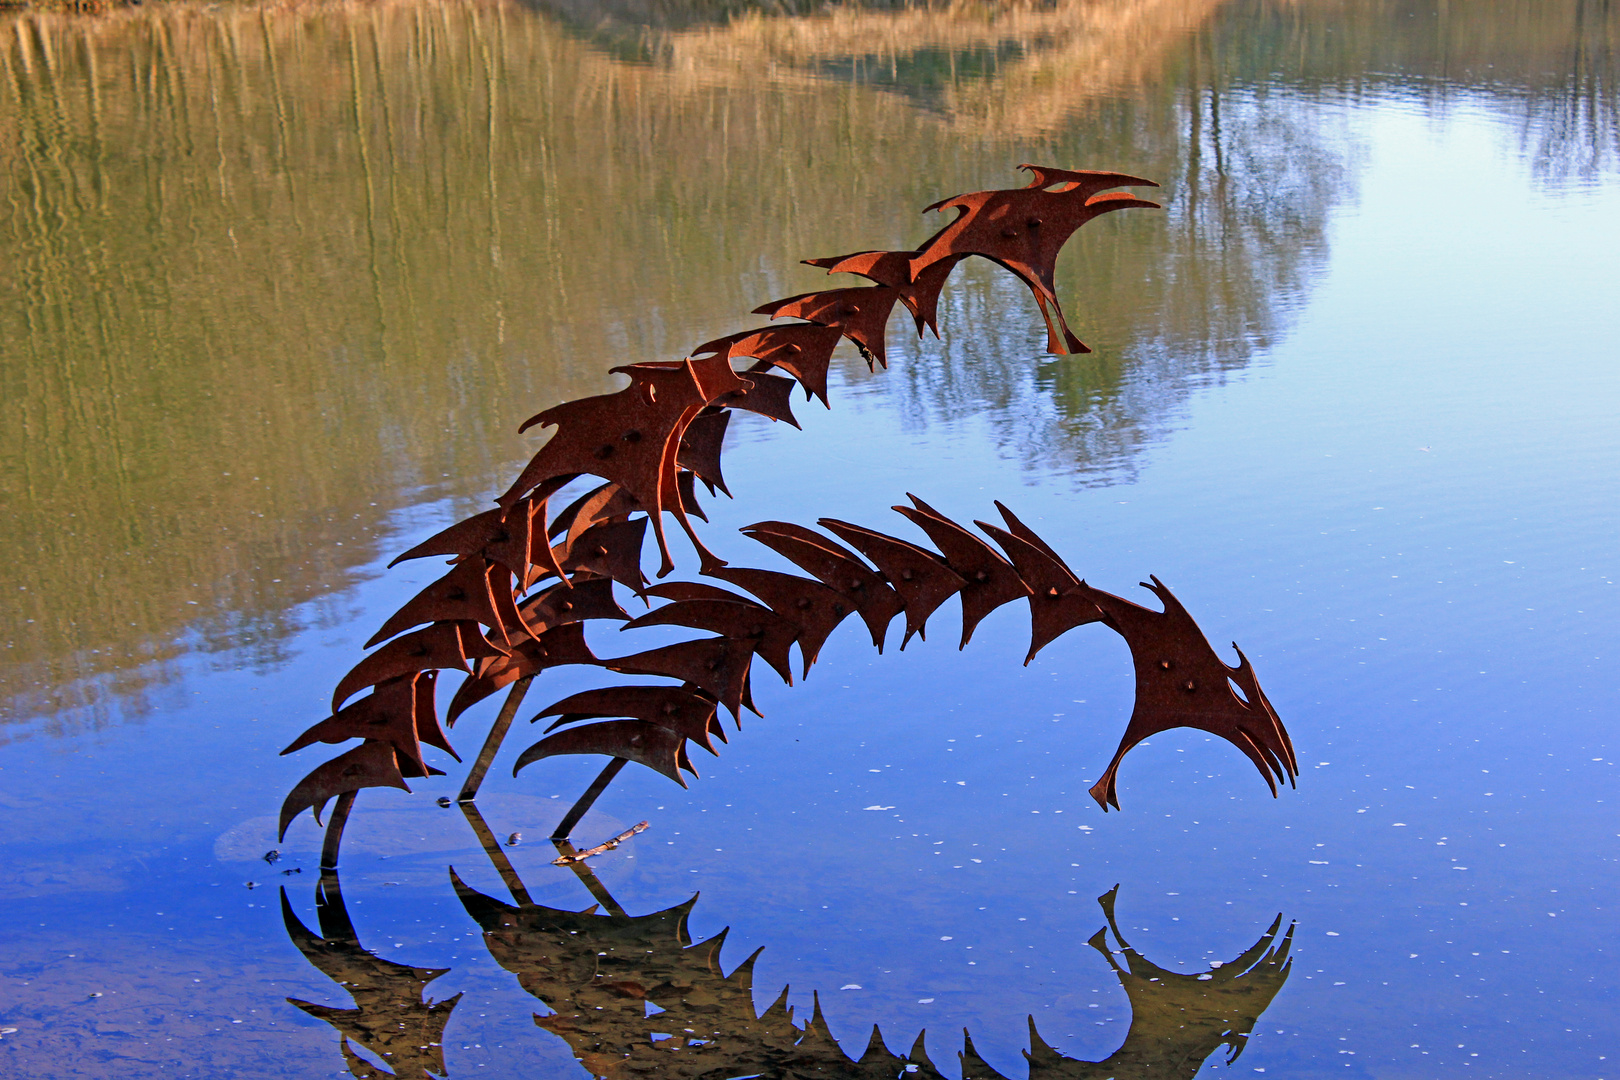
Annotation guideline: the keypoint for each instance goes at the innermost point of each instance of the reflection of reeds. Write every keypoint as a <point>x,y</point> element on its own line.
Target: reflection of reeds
<point>294,242</point>
<point>1552,67</point>
<point>76,7</point>
<point>1012,69</point>
<point>256,256</point>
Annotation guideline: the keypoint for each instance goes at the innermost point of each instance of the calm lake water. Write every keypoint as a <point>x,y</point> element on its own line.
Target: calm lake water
<point>278,283</point>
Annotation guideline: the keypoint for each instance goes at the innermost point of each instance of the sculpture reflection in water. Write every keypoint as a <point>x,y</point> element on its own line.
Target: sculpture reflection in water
<point>392,1017</point>
<point>634,995</point>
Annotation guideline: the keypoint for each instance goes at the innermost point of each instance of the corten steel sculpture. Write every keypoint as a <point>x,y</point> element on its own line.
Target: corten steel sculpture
<point>523,580</point>
<point>1181,682</point>
<point>599,969</point>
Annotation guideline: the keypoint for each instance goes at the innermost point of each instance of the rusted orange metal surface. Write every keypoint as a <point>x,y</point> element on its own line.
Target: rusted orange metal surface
<point>524,582</point>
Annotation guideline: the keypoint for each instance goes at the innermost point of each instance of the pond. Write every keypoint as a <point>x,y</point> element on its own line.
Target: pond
<point>279,282</point>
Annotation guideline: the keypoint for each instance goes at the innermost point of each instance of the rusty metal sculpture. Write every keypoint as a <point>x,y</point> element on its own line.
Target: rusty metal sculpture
<point>1181,682</point>
<point>1023,230</point>
<point>523,581</point>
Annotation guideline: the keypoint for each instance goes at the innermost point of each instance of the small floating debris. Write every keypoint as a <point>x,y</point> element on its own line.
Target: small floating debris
<point>608,845</point>
<point>272,855</point>
<point>514,840</point>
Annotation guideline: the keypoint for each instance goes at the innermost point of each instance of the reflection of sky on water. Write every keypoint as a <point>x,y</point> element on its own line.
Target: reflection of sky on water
<point>1404,512</point>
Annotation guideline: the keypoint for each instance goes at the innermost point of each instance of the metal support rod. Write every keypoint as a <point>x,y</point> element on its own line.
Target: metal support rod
<point>599,785</point>
<point>497,734</point>
<point>590,880</point>
<point>492,848</point>
<point>1054,328</point>
<point>334,830</point>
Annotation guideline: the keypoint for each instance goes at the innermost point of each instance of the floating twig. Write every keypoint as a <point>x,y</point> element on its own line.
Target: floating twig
<point>608,845</point>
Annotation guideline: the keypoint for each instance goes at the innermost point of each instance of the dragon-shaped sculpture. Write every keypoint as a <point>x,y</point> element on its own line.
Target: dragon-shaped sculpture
<point>523,581</point>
